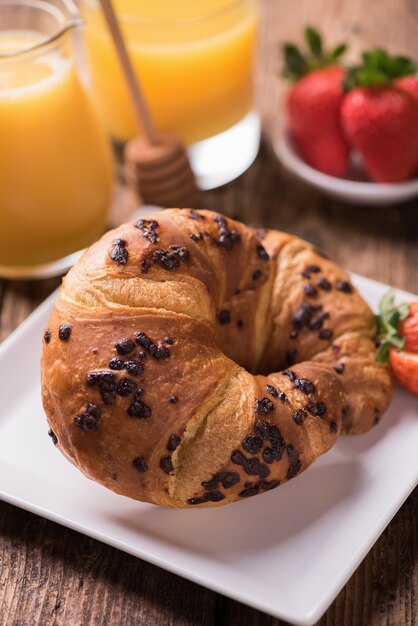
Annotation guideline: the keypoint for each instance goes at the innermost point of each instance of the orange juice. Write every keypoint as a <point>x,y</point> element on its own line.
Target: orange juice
<point>55,164</point>
<point>193,57</point>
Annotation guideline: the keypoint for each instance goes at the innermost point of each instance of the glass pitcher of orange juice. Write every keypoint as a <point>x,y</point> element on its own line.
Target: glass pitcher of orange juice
<point>195,60</point>
<point>55,161</point>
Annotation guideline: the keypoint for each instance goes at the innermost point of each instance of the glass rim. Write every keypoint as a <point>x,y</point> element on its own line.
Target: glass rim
<point>64,25</point>
<point>184,21</point>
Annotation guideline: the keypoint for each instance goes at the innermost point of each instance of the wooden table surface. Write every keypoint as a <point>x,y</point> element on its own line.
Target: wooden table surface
<point>51,575</point>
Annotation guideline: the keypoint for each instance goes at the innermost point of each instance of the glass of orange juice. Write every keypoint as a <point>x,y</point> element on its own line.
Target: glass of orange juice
<point>55,161</point>
<point>195,61</point>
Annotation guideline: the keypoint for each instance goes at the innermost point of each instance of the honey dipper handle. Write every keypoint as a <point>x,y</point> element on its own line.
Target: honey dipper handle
<point>142,114</point>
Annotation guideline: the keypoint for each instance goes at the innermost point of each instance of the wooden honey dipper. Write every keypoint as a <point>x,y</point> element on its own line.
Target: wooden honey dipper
<point>156,162</point>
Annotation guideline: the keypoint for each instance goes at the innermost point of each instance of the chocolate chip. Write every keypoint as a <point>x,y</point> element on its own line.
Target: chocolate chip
<point>310,290</point>
<point>106,382</point>
<point>212,483</point>
<point>305,386</point>
<point>316,322</point>
<point>166,464</point>
<point>151,224</point>
<point>138,408</point>
<point>53,436</point>
<point>119,253</point>
<point>125,387</point>
<point>228,479</point>
<point>144,265</point>
<point>264,406</point>
<point>214,496</point>
<point>318,409</point>
<point>256,275</point>
<point>124,346</point>
<point>238,458</point>
<point>293,334</point>
<point>246,493</point>
<point>304,314</point>
<point>64,332</point>
<point>333,427</point>
<point>227,237</point>
<point>294,462</point>
<point>47,335</point>
<point>310,269</point>
<point>173,442</point>
<point>240,324</point>
<point>298,416</point>
<point>291,375</point>
<point>148,228</point>
<point>140,464</point>
<point>324,284</point>
<point>269,455</point>
<point>325,333</point>
<point>116,364</point>
<point>263,471</point>
<point>270,433</point>
<point>262,429</point>
<point>278,448</point>
<point>134,368</point>
<point>173,399</point>
<point>252,445</point>
<point>168,341</point>
<point>89,420</point>
<point>344,413</point>
<point>195,237</point>
<point>291,356</point>
<point>195,215</point>
<point>158,352</point>
<point>252,466</point>
<point>224,317</point>
<point>181,252</point>
<point>266,485</point>
<point>339,368</point>
<point>261,253</point>
<point>282,396</point>
<point>344,286</point>
<point>199,500</point>
<point>272,391</point>
<point>144,340</point>
<point>166,260</point>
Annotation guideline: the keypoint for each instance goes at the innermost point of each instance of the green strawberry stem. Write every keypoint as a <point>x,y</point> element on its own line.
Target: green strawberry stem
<point>297,64</point>
<point>378,68</point>
<point>388,321</point>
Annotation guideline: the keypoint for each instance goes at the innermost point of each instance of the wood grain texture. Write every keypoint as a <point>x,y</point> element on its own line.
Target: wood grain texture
<point>53,576</point>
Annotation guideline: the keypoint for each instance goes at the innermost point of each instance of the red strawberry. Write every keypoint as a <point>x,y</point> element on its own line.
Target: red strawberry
<point>405,367</point>
<point>313,105</point>
<point>409,328</point>
<point>398,335</point>
<point>379,119</point>
<point>410,85</point>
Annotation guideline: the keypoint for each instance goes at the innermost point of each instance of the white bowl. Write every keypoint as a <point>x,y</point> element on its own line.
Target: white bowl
<point>345,189</point>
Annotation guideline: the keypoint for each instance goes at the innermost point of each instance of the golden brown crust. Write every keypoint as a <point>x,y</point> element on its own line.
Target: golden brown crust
<point>198,304</point>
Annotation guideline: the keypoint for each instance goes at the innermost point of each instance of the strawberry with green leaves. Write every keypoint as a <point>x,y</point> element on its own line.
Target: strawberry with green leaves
<point>380,119</point>
<point>398,336</point>
<point>314,103</point>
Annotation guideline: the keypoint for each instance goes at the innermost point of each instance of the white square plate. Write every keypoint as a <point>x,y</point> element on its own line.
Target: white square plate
<point>287,553</point>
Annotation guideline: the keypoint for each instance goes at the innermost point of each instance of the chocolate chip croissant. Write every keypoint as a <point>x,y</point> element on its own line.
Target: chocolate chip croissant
<point>193,361</point>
